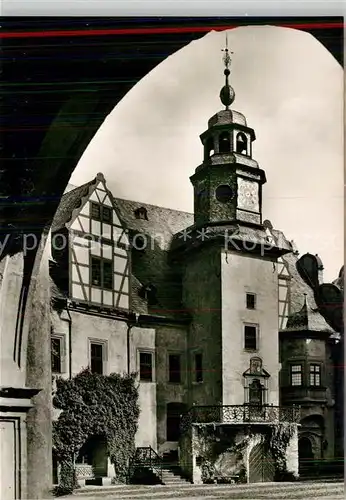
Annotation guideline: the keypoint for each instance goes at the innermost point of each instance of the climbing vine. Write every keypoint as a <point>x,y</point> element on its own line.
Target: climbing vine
<point>280,436</point>
<point>95,405</point>
<point>209,448</point>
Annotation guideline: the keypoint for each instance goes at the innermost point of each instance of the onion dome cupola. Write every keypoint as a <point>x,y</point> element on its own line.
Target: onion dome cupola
<point>228,184</point>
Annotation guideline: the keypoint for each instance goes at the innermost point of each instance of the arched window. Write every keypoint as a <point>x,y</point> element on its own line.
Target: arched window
<point>209,148</point>
<point>241,143</point>
<point>224,143</point>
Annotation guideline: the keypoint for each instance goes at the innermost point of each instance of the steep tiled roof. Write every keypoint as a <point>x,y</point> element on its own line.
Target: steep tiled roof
<point>69,202</point>
<point>307,319</point>
<point>304,310</point>
<point>151,266</point>
<point>162,222</point>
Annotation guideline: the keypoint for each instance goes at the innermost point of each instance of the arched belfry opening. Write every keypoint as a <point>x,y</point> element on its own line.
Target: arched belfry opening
<point>209,148</point>
<point>224,142</point>
<point>241,143</point>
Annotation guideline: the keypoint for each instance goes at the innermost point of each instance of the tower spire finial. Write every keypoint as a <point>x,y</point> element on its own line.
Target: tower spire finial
<point>227,93</point>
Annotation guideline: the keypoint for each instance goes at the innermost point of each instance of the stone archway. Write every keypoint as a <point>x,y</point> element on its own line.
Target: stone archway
<point>306,455</point>
<point>313,428</point>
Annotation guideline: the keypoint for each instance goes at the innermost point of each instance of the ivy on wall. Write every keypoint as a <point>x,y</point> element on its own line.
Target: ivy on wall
<point>209,448</point>
<point>211,444</point>
<point>280,436</point>
<point>95,405</point>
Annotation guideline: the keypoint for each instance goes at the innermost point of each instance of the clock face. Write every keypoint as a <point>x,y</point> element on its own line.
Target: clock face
<point>248,198</point>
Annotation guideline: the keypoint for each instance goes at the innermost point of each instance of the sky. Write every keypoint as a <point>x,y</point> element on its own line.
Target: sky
<point>289,87</point>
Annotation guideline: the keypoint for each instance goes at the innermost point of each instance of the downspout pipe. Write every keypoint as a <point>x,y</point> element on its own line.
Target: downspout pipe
<point>130,325</point>
<point>69,341</point>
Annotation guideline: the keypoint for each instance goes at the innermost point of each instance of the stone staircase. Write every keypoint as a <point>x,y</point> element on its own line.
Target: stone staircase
<point>171,472</point>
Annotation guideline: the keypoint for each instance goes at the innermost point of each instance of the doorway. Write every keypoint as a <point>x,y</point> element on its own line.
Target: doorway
<point>306,456</point>
<point>174,411</point>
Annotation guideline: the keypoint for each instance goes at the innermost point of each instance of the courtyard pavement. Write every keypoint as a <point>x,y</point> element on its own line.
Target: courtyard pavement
<point>300,490</point>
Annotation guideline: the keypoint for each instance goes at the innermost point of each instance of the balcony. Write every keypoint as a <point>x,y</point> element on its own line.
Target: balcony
<point>240,414</point>
<point>299,394</point>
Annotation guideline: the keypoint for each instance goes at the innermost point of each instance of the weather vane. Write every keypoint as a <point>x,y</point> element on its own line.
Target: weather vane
<point>227,57</point>
<point>227,94</point>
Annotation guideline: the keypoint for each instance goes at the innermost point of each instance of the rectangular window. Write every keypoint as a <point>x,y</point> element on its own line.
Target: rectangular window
<point>146,366</point>
<point>101,213</point>
<point>106,215</point>
<point>102,273</point>
<point>198,367</point>
<point>96,358</point>
<point>250,337</point>
<point>174,368</point>
<point>296,375</point>
<point>95,271</point>
<point>56,354</point>
<point>95,211</point>
<point>315,375</point>
<point>250,301</point>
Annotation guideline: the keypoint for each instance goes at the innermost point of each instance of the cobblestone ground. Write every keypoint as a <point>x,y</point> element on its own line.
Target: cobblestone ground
<point>319,490</point>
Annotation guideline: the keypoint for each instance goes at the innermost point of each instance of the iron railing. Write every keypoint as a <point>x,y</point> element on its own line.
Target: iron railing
<point>238,414</point>
<point>146,458</point>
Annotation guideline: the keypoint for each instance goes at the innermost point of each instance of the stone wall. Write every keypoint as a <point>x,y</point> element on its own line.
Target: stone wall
<point>113,333</point>
<point>242,274</point>
<point>169,340</point>
<point>211,453</point>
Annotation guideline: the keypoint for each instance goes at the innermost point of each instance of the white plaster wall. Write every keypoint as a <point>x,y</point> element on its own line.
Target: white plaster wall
<point>144,339</point>
<point>241,274</point>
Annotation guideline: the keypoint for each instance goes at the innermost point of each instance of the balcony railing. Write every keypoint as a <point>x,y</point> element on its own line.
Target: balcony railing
<point>239,414</point>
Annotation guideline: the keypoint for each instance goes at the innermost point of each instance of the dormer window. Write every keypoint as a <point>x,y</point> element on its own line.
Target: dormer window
<point>141,213</point>
<point>241,143</point>
<point>224,143</point>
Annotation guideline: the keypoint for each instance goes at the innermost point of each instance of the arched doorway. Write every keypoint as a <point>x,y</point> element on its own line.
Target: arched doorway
<point>261,465</point>
<point>174,411</point>
<point>94,453</point>
<point>306,455</point>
